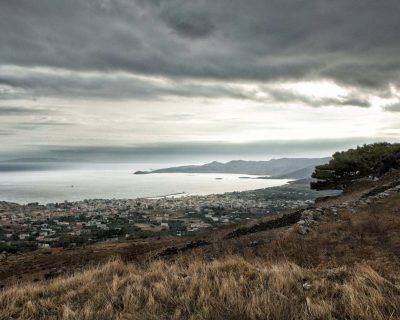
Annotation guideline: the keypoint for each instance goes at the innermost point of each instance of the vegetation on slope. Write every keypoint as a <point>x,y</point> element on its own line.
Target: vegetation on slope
<point>369,160</point>
<point>231,288</point>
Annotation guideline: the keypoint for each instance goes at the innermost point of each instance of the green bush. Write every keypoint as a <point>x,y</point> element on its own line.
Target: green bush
<point>367,160</point>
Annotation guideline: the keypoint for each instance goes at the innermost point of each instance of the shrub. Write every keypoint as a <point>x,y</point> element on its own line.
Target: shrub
<point>367,160</point>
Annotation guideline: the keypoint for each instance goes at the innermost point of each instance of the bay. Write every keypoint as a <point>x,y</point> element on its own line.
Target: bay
<point>116,180</point>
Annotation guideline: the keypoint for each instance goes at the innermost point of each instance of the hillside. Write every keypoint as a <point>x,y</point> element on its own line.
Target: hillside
<point>325,262</point>
<point>275,167</point>
<point>302,173</point>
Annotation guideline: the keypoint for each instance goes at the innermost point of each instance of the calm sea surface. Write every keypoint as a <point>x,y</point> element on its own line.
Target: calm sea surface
<point>108,181</point>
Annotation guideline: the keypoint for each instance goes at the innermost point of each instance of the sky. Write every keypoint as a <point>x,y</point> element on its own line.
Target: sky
<point>147,80</point>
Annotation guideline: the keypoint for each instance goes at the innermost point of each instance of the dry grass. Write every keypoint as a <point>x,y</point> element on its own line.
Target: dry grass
<point>230,288</point>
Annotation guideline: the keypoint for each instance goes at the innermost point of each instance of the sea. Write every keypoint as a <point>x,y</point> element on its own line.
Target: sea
<point>74,182</point>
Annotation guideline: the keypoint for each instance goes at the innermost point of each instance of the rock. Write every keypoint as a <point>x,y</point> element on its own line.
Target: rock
<point>312,214</point>
<point>306,286</point>
<point>334,210</point>
<point>208,258</point>
<point>253,244</point>
<point>344,204</point>
<point>308,218</point>
<point>303,229</point>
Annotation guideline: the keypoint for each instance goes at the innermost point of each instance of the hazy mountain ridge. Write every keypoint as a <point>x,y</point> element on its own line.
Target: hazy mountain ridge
<point>288,167</point>
<point>302,173</point>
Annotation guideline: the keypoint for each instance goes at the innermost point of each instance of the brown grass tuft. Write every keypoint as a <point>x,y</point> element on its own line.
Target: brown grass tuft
<point>229,288</point>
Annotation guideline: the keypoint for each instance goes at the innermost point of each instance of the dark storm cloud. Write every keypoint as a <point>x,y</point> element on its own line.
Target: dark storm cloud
<point>40,124</point>
<point>21,111</point>
<point>188,23</point>
<point>393,108</point>
<point>287,96</point>
<point>192,150</point>
<point>356,102</point>
<point>5,133</point>
<point>349,41</point>
<point>106,86</point>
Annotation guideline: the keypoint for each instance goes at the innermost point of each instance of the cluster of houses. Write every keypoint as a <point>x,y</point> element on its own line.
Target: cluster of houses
<point>101,219</point>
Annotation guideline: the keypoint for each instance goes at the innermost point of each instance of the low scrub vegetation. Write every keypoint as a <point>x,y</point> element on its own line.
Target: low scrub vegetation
<point>228,288</point>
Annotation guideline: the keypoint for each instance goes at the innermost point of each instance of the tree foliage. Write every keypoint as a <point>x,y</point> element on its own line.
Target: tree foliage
<point>368,160</point>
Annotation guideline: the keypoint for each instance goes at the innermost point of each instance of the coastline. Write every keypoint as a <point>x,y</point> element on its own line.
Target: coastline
<point>301,183</point>
<point>175,194</point>
<point>55,187</point>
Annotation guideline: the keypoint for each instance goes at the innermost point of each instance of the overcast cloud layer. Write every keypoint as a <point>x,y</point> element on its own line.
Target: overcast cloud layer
<point>119,72</point>
<point>349,41</point>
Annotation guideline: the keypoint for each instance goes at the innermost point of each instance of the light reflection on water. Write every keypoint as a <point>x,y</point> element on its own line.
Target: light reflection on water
<point>116,181</point>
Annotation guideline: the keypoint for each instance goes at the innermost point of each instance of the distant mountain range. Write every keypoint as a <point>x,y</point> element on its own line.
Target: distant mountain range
<point>298,174</point>
<point>30,164</point>
<point>284,168</point>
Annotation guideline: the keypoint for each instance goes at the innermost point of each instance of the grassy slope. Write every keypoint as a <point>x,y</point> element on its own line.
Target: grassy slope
<point>347,267</point>
<point>231,288</point>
